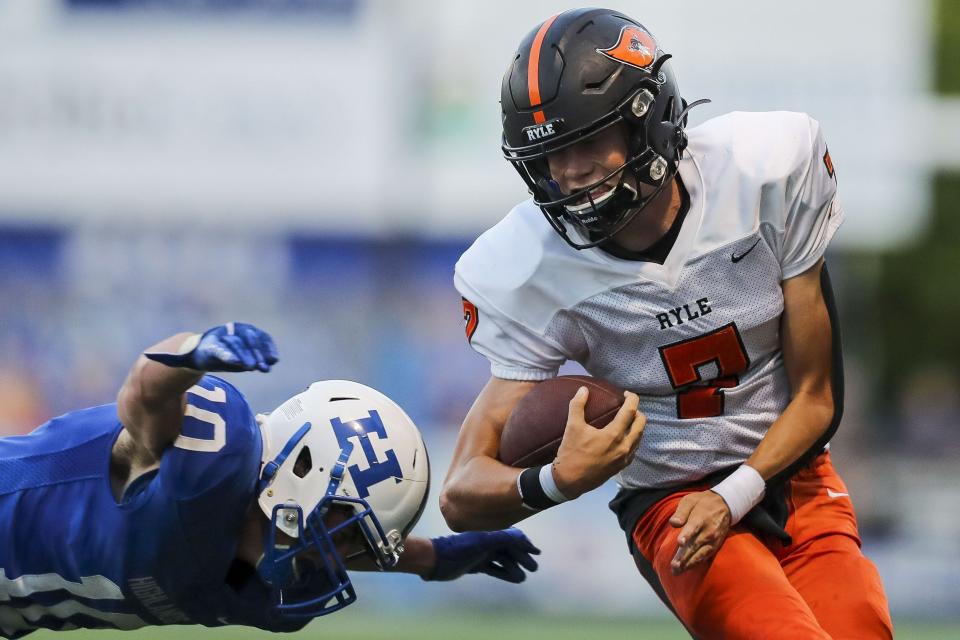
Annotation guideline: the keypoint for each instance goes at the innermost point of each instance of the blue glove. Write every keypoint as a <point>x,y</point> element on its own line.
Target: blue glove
<point>235,346</point>
<point>501,554</point>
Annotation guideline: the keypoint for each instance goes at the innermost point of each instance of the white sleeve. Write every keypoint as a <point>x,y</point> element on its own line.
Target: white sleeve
<point>515,352</point>
<point>813,211</point>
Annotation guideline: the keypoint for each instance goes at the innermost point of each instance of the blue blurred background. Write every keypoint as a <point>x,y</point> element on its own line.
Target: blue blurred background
<point>317,166</point>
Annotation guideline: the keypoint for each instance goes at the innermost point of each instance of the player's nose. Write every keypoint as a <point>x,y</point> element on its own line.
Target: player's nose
<point>570,169</point>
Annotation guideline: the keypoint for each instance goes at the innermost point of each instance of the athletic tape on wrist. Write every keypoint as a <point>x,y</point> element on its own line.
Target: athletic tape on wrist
<point>549,484</point>
<point>533,494</point>
<point>742,490</point>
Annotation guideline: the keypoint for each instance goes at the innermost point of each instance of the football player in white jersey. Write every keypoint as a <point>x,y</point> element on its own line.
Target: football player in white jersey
<point>686,267</point>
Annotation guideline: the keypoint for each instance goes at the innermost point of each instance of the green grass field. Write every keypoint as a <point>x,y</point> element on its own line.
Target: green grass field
<point>366,624</point>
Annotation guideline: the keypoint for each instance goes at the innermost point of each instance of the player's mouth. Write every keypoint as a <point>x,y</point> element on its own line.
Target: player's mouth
<point>595,199</point>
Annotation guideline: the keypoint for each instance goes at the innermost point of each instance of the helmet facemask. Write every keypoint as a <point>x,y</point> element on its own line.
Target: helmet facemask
<point>308,573</point>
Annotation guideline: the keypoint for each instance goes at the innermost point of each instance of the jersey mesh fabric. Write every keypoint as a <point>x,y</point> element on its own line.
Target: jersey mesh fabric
<point>618,335</point>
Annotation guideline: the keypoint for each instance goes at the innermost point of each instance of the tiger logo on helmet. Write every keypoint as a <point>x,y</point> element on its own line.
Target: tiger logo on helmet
<point>635,47</point>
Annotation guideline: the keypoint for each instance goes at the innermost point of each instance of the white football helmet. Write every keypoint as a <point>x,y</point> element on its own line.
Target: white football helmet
<point>338,444</point>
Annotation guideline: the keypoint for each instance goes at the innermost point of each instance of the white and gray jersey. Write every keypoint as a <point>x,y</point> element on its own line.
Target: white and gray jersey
<point>698,337</point>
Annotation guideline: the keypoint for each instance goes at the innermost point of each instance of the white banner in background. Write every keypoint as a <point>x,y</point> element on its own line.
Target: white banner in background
<point>388,121</point>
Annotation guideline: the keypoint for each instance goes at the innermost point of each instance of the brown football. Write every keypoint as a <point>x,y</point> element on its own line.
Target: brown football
<point>534,429</point>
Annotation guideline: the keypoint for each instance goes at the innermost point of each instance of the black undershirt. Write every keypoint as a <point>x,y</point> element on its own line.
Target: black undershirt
<point>659,250</point>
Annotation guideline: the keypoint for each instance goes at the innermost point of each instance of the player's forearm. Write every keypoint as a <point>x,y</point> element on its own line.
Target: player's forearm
<point>482,495</point>
<point>418,557</point>
<point>152,394</point>
<point>809,361</point>
<point>803,422</point>
<point>480,492</point>
<point>156,383</point>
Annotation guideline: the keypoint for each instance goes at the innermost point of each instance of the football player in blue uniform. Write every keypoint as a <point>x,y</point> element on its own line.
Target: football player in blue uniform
<point>177,505</point>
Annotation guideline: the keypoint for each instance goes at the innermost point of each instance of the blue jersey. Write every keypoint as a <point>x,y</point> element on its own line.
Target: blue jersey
<point>73,556</point>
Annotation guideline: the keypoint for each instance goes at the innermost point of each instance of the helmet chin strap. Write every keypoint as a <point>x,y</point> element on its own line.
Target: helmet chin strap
<point>629,215</point>
<point>593,208</point>
<point>591,204</point>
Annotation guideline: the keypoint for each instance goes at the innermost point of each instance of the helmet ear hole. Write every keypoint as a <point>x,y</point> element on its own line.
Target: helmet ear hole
<point>304,463</point>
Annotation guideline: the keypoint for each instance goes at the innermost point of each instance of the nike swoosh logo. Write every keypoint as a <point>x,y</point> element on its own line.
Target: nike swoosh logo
<point>737,258</point>
<point>834,494</point>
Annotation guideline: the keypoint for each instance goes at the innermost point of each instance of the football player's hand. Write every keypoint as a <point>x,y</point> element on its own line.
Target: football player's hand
<point>501,554</point>
<point>705,518</point>
<point>235,346</point>
<point>588,456</point>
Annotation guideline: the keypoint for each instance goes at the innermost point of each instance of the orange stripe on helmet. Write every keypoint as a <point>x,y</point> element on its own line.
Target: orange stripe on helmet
<point>533,69</point>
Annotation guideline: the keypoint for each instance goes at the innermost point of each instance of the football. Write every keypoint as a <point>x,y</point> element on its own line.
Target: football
<point>533,431</point>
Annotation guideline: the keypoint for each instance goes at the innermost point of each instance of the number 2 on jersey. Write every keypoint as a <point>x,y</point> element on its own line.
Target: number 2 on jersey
<point>696,397</point>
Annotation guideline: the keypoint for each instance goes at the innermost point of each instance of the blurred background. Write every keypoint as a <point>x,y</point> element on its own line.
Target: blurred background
<point>316,167</point>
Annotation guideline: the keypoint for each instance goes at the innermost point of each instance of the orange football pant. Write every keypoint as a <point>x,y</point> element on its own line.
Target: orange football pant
<point>821,586</point>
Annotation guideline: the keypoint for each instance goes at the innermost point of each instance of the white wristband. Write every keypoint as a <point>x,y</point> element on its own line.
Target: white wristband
<point>742,490</point>
<point>549,484</point>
